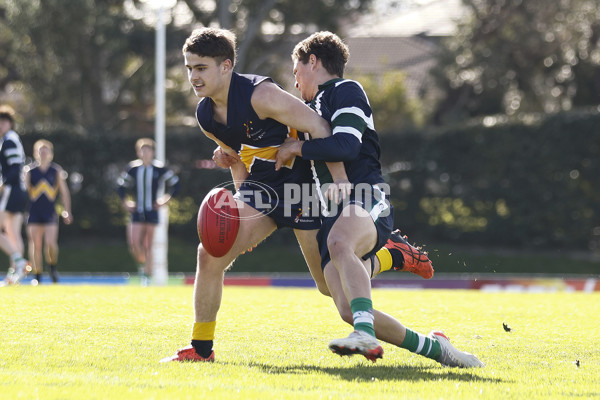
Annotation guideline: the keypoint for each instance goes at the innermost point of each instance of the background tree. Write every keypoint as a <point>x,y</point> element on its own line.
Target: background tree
<point>514,55</point>
<point>89,64</point>
<point>78,63</point>
<point>266,28</point>
<point>394,110</point>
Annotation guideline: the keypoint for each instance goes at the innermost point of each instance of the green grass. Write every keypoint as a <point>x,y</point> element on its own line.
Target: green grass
<point>94,342</point>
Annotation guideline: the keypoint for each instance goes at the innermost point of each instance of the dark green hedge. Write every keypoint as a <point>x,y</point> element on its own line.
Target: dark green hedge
<point>527,184</point>
<point>532,184</point>
<point>100,157</point>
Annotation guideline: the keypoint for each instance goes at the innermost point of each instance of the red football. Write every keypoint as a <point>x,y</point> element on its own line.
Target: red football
<point>218,222</point>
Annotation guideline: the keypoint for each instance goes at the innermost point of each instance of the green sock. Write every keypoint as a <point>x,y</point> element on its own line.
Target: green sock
<point>421,344</point>
<point>362,313</point>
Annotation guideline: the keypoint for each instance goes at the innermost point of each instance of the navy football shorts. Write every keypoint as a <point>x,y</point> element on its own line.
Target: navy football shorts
<point>44,217</point>
<point>13,199</point>
<point>274,202</point>
<point>146,217</point>
<point>374,201</point>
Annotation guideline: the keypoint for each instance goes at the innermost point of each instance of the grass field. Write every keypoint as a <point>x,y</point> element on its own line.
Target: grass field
<point>95,342</point>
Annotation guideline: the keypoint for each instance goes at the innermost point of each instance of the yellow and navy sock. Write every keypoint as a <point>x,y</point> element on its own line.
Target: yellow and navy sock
<point>420,344</point>
<point>203,334</point>
<point>388,258</point>
<point>385,259</point>
<point>362,314</point>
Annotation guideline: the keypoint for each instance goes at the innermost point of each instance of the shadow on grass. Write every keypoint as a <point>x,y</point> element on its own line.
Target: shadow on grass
<point>369,373</point>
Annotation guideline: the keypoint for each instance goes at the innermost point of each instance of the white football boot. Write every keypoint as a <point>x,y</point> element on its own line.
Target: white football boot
<point>452,357</point>
<point>358,342</point>
<point>21,270</point>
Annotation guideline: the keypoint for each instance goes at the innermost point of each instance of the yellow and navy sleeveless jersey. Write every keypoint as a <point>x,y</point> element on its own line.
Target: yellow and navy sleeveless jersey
<point>344,104</point>
<point>147,183</point>
<point>256,140</point>
<point>12,160</point>
<point>43,188</point>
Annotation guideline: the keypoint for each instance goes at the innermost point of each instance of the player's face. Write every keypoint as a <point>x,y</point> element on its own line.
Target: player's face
<point>146,154</point>
<point>304,80</point>
<point>45,154</point>
<point>5,126</point>
<point>205,75</point>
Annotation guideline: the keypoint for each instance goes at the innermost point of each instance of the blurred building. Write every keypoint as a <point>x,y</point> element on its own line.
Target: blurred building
<point>403,39</point>
<point>376,55</point>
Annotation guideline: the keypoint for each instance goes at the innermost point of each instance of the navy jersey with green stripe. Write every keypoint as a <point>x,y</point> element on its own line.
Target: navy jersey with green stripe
<point>354,141</point>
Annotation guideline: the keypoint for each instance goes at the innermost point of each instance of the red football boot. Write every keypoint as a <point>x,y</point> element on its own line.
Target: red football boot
<point>189,354</point>
<point>415,260</point>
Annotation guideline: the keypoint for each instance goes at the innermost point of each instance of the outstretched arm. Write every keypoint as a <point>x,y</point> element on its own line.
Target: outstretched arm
<point>270,101</point>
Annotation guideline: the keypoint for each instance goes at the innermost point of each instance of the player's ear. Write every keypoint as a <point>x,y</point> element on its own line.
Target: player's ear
<point>312,59</point>
<point>226,65</point>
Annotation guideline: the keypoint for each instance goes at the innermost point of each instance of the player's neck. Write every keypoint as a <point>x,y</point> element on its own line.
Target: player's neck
<point>221,95</point>
<point>219,103</point>
<point>324,77</point>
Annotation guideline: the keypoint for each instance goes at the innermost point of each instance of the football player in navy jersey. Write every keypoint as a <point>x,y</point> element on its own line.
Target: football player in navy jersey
<point>13,199</point>
<point>144,187</point>
<point>249,117</point>
<point>355,230</point>
<point>45,181</point>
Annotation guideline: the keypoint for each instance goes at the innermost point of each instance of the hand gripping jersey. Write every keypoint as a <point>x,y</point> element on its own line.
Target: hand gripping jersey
<point>43,192</point>
<point>256,141</point>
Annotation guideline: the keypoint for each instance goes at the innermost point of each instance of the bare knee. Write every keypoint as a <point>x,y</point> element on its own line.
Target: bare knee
<point>337,246</point>
<point>207,264</point>
<point>323,289</point>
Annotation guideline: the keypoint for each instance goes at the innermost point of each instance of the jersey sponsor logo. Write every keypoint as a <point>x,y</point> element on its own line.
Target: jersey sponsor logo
<point>251,133</point>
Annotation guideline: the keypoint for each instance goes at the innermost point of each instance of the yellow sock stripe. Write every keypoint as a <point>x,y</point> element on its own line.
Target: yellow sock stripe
<point>204,330</point>
<point>385,259</point>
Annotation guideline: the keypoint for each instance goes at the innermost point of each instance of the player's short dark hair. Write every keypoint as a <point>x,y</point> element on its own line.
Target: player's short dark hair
<point>8,113</point>
<point>327,47</point>
<point>212,42</point>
